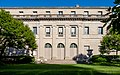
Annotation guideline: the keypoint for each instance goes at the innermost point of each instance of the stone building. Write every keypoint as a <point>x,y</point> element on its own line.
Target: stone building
<point>63,32</point>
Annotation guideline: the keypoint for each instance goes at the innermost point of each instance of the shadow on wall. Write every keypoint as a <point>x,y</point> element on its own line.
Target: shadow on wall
<point>81,59</point>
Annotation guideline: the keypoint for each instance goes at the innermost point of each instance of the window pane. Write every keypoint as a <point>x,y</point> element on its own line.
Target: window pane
<point>86,30</point>
<point>60,45</point>
<point>60,29</point>
<point>35,30</point>
<point>73,46</point>
<point>48,45</point>
<point>100,30</point>
<point>73,29</point>
<point>47,29</point>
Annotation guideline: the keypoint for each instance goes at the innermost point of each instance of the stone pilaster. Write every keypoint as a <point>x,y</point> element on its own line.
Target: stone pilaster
<point>67,48</point>
<point>79,38</point>
<point>41,42</point>
<point>54,47</point>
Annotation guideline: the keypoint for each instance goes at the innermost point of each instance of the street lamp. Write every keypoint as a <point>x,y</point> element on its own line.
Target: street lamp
<point>89,52</point>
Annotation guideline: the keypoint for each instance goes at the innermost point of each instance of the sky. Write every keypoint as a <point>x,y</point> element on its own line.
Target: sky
<point>54,3</point>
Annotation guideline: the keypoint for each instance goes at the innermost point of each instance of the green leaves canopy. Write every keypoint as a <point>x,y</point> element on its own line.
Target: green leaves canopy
<point>13,33</point>
<point>111,41</point>
<point>113,22</point>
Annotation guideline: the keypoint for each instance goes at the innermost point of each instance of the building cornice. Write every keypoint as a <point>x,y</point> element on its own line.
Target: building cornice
<point>97,7</point>
<point>61,19</point>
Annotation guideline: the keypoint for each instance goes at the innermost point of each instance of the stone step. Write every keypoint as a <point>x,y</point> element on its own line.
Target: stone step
<point>60,62</point>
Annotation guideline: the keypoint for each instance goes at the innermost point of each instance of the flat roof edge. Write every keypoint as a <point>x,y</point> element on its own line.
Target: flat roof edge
<point>96,7</point>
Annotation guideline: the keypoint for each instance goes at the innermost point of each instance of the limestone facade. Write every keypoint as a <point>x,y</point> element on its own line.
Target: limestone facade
<point>63,32</point>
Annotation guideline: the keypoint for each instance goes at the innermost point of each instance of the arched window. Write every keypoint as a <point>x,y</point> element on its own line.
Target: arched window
<point>73,45</point>
<point>60,45</point>
<point>48,45</point>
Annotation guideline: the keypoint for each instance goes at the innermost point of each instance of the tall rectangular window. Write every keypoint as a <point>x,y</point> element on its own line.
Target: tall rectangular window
<point>60,31</point>
<point>35,30</point>
<point>86,30</point>
<point>47,31</point>
<point>100,30</point>
<point>73,31</point>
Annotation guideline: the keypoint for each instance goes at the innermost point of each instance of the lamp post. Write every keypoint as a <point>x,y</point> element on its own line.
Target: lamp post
<point>89,52</point>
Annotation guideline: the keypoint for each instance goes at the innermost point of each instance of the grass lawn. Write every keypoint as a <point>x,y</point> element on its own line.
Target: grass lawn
<point>58,69</point>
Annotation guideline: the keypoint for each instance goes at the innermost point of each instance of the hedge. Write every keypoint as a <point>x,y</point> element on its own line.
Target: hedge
<point>17,59</point>
<point>105,58</point>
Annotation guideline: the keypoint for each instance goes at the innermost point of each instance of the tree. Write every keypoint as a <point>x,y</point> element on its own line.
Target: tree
<point>111,41</point>
<point>13,33</point>
<point>113,21</point>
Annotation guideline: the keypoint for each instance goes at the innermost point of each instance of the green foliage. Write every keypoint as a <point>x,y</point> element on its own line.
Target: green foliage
<point>105,58</point>
<point>110,43</point>
<point>97,59</point>
<point>114,19</point>
<point>112,40</point>
<point>117,2</point>
<point>25,60</point>
<point>13,33</point>
<point>100,59</point>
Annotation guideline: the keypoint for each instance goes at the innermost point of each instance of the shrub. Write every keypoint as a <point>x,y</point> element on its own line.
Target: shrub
<point>105,58</point>
<point>93,59</point>
<point>81,58</point>
<point>117,60</point>
<point>100,59</point>
<point>26,59</point>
